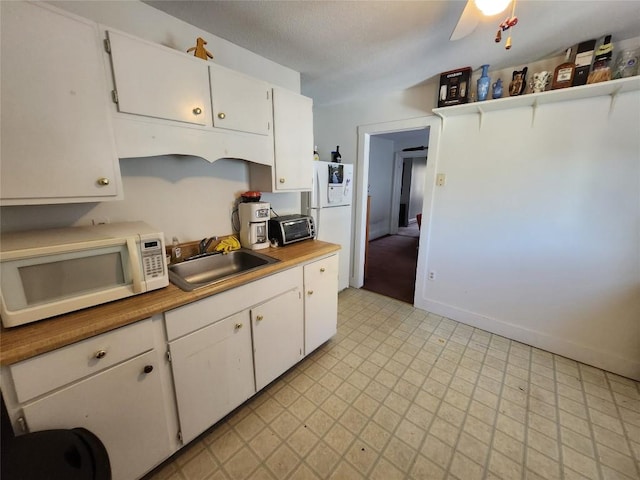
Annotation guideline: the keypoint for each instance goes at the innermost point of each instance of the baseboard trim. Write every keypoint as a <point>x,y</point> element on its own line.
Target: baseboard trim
<point>605,360</point>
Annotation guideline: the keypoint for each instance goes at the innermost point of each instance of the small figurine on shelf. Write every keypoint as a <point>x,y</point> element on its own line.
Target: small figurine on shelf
<point>199,50</point>
<point>540,81</point>
<point>497,89</point>
<point>518,82</point>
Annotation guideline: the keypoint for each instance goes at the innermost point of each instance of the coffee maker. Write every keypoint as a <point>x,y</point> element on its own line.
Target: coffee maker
<point>254,224</point>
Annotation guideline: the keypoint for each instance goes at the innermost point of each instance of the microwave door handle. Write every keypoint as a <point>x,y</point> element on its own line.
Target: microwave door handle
<point>134,264</point>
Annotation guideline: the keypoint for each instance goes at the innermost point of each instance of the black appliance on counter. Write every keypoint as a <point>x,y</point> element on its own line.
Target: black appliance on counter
<point>287,229</point>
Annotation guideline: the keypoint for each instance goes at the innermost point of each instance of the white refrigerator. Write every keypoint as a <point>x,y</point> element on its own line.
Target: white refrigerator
<point>329,204</point>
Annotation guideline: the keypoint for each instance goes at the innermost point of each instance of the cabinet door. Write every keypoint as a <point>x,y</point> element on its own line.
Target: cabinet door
<point>123,406</point>
<point>213,373</point>
<point>57,140</point>
<point>278,336</point>
<point>320,302</point>
<point>156,81</point>
<point>240,102</point>
<point>293,140</point>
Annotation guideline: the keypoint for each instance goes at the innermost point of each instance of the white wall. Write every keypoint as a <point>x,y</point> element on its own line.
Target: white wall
<point>337,124</point>
<point>182,196</point>
<point>536,234</point>
<point>558,268</point>
<point>380,186</point>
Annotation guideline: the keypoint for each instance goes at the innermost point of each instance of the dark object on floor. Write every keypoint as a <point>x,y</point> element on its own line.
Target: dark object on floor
<point>75,454</point>
<point>391,266</point>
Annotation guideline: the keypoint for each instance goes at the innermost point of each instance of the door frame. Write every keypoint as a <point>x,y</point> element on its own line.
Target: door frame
<point>434,126</point>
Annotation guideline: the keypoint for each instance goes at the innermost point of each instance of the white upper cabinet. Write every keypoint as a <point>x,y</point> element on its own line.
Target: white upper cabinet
<point>240,102</point>
<point>293,140</point>
<point>57,139</point>
<point>293,146</point>
<point>159,82</point>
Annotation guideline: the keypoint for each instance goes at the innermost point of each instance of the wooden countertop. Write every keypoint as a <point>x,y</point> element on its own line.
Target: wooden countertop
<point>25,341</point>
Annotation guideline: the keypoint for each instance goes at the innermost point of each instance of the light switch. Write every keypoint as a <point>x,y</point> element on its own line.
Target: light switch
<point>441,179</point>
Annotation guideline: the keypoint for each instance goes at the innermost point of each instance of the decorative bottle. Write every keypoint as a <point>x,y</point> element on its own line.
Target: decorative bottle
<point>563,74</point>
<point>316,156</point>
<point>601,71</point>
<point>335,156</point>
<point>483,84</point>
<point>497,89</point>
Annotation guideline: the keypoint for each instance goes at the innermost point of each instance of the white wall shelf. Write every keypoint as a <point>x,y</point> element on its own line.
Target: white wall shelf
<point>533,100</point>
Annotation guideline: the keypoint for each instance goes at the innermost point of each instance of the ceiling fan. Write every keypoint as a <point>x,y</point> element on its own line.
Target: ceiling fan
<point>475,10</point>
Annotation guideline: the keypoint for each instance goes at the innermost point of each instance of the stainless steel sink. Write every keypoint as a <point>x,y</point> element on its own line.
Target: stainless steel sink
<point>210,269</point>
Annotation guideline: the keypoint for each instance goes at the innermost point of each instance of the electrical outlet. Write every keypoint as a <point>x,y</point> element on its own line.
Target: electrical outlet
<point>441,179</point>
<point>432,275</point>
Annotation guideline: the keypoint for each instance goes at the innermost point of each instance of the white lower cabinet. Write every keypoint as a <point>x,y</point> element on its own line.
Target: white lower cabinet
<point>213,372</point>
<point>222,349</point>
<point>278,336</point>
<point>320,302</point>
<point>122,405</point>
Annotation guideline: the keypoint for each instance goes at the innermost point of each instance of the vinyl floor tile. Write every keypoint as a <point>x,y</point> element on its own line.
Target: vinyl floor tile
<point>400,393</point>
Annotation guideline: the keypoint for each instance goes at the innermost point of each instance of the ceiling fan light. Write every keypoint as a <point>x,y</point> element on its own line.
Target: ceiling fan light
<point>491,7</point>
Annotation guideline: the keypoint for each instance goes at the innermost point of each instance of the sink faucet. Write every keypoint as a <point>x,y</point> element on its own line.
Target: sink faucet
<point>205,243</point>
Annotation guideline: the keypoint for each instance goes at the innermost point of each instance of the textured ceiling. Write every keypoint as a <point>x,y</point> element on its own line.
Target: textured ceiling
<point>347,49</point>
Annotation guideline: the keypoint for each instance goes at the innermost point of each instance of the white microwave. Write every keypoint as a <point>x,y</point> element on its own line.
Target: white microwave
<point>44,273</point>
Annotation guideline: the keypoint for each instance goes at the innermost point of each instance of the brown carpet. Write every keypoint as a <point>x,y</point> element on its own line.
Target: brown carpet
<point>391,265</point>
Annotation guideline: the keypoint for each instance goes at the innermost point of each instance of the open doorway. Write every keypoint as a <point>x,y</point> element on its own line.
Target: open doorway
<point>397,163</point>
<point>429,128</point>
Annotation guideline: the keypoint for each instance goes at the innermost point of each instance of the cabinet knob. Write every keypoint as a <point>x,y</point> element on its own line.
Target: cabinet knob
<point>222,115</point>
<point>197,111</point>
<point>282,180</point>
<point>259,317</point>
<point>103,181</point>
<point>100,354</point>
<point>148,369</point>
<point>238,326</point>
<point>322,270</point>
<point>309,292</point>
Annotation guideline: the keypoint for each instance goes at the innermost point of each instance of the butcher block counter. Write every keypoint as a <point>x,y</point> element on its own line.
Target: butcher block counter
<point>26,341</point>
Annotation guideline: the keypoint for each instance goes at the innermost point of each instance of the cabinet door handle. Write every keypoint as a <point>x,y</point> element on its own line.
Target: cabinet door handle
<point>322,270</point>
<point>103,181</point>
<point>238,326</point>
<point>259,317</point>
<point>310,292</point>
<point>100,354</point>
<point>197,111</point>
<point>282,180</point>
<point>148,369</point>
<point>222,115</point>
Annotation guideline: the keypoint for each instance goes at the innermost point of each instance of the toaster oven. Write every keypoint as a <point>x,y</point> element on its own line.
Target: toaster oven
<point>287,229</point>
